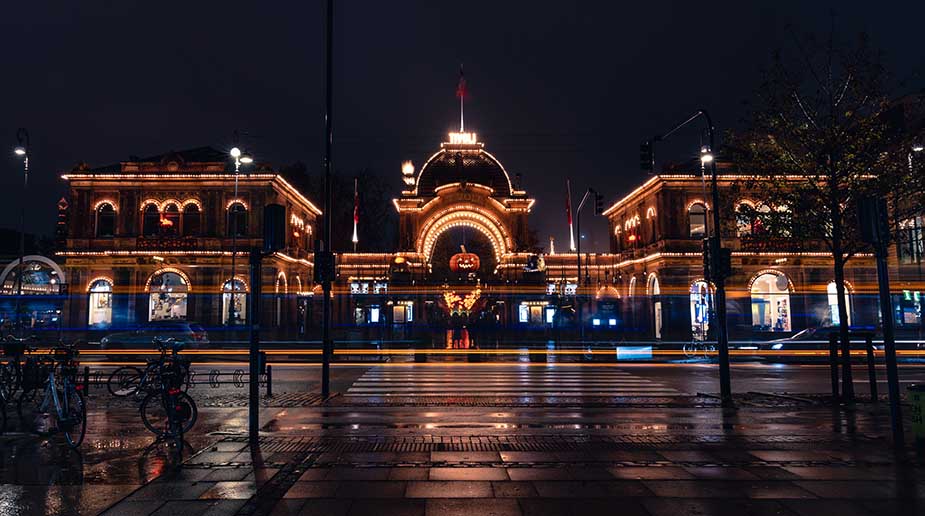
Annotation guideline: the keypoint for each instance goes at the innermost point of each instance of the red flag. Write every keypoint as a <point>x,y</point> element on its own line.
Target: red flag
<point>356,212</point>
<point>461,90</point>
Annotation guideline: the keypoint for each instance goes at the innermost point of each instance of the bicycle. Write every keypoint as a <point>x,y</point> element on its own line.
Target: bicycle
<point>60,396</point>
<point>169,411</point>
<point>128,381</point>
<point>11,371</point>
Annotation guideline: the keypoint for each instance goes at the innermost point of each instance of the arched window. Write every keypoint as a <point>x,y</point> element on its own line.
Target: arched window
<point>832,294</point>
<point>654,291</point>
<point>631,291</point>
<point>100,304</point>
<point>105,220</point>
<point>760,223</point>
<point>770,293</point>
<point>151,220</point>
<point>744,220</point>
<point>282,291</point>
<point>697,214</point>
<point>701,299</point>
<point>168,293</point>
<point>234,302</point>
<point>170,223</point>
<point>191,220</point>
<point>237,220</point>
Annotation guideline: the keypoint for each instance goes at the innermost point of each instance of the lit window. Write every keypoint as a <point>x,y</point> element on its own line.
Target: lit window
<point>100,309</point>
<point>700,309</point>
<point>167,296</point>
<point>374,314</point>
<point>523,313</point>
<point>234,302</point>
<point>697,214</point>
<point>770,294</point>
<point>105,220</point>
<point>832,292</point>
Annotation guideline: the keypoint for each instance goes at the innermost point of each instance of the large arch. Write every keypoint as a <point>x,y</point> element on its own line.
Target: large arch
<point>464,216</point>
<point>32,258</point>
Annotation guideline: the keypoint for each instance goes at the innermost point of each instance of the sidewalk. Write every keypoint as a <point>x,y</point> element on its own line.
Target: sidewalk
<point>649,460</point>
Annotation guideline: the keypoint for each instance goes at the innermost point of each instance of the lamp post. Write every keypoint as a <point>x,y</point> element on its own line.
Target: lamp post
<point>239,159</point>
<point>578,303</point>
<point>715,243</point>
<point>22,150</point>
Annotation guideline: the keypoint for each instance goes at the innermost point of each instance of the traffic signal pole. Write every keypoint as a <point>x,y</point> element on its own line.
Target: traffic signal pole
<point>327,345</point>
<point>718,276</point>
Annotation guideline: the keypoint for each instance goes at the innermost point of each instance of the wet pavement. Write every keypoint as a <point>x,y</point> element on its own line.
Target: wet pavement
<point>391,443</point>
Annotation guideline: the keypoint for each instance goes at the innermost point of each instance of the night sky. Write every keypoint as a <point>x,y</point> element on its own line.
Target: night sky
<point>558,89</point>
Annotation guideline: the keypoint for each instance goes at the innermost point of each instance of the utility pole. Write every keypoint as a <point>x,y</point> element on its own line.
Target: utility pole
<point>327,263</point>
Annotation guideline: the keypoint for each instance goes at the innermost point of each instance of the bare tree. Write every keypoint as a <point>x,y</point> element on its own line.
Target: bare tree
<point>823,113</point>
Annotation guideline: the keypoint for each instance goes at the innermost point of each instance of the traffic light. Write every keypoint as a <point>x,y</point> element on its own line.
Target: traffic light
<point>873,220</point>
<point>647,157</point>
<point>598,204</point>
<point>324,266</point>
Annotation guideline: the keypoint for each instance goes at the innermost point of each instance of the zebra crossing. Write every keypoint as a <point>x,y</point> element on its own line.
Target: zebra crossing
<point>507,381</point>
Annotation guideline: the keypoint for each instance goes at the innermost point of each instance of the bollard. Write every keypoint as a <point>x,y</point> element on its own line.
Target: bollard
<point>871,371</point>
<point>917,401</point>
<point>86,380</point>
<point>269,381</point>
<point>833,364</point>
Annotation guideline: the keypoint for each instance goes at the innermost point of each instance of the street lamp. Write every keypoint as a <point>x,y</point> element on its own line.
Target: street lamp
<point>706,156</point>
<point>239,159</point>
<point>22,150</point>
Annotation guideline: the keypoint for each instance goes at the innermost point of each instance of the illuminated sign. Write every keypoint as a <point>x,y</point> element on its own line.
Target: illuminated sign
<point>463,139</point>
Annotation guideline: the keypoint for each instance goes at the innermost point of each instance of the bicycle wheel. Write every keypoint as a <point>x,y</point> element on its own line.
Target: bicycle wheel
<point>124,381</point>
<point>154,414</point>
<point>690,350</point>
<point>74,423</point>
<point>32,408</point>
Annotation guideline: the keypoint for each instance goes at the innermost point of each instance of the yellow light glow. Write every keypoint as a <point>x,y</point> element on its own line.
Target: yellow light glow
<point>463,139</point>
<point>407,168</point>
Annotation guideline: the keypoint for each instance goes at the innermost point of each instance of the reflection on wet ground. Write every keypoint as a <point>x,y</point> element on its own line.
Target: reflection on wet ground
<point>42,475</point>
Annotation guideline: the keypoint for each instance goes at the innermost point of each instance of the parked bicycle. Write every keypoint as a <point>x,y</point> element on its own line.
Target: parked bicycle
<point>52,399</point>
<point>11,369</point>
<point>168,411</point>
<point>128,381</point>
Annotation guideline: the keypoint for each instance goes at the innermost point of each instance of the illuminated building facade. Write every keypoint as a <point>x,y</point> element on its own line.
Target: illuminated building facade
<point>153,239</point>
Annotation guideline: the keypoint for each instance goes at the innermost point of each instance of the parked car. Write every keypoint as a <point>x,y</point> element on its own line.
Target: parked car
<point>191,334</point>
<point>818,339</point>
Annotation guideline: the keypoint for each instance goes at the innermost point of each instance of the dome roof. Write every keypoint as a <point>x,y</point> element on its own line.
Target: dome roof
<point>463,164</point>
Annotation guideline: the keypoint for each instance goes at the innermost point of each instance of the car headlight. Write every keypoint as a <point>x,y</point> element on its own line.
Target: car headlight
<point>777,346</point>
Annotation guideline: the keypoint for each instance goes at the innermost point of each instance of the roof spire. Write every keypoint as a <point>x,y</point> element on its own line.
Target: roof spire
<point>461,93</point>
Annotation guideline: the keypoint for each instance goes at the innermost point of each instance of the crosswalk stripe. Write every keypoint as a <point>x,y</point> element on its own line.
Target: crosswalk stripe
<point>515,383</point>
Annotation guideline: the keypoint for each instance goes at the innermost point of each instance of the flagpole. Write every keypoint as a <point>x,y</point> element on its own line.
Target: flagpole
<point>356,213</point>
<point>571,230</point>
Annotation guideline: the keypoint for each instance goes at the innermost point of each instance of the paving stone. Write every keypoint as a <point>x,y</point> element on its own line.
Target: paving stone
<point>510,489</point>
<point>171,491</point>
<point>772,473</point>
<point>819,507</point>
<point>842,473</point>
<point>651,472</point>
<point>441,456</point>
<point>569,489</point>
<point>371,489</point>
<point>322,489</point>
<point>694,488</point>
<point>790,456</point>
<point>468,474</point>
<point>133,508</point>
<point>227,474</point>
<point>698,507</point>
<point>200,508</point>
<point>231,491</point>
<point>688,456</point>
<point>591,507</point>
<point>315,474</point>
<point>348,473</point>
<point>261,476</point>
<point>324,507</point>
<point>482,507</point>
<point>409,473</point>
<point>775,490</point>
<point>288,507</point>
<point>720,473</point>
<point>545,473</point>
<point>387,508</point>
<point>841,489</point>
<point>449,489</point>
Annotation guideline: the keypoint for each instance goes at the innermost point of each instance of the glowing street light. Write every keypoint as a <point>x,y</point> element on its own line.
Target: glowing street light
<point>239,159</point>
<point>705,155</point>
<point>917,147</point>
